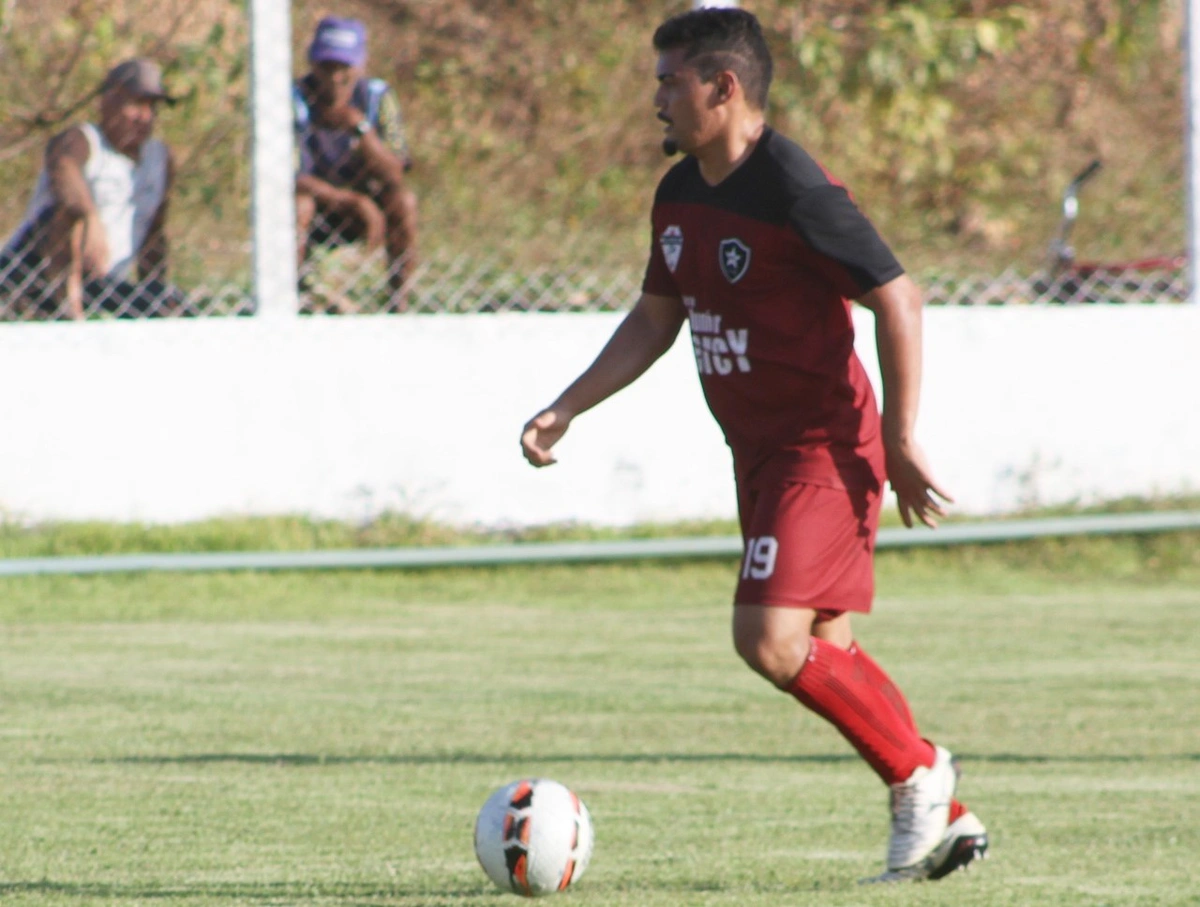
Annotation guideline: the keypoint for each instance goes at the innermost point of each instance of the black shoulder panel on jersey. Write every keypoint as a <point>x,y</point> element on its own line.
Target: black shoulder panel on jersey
<point>793,164</point>
<point>829,221</point>
<point>781,184</point>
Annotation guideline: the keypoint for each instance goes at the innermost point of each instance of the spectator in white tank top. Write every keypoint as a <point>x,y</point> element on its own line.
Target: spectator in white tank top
<point>93,238</point>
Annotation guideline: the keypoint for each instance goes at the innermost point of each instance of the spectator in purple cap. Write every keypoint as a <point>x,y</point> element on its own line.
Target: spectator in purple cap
<point>93,238</point>
<point>351,184</point>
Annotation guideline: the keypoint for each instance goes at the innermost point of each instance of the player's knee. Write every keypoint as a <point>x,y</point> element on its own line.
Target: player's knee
<point>778,659</point>
<point>61,219</point>
<point>408,199</point>
<point>56,226</point>
<point>401,209</point>
<point>60,240</point>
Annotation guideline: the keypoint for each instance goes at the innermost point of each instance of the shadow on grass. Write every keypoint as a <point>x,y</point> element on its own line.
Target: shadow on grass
<point>358,894</point>
<point>462,758</point>
<point>309,759</point>
<point>1079,759</point>
<point>284,892</point>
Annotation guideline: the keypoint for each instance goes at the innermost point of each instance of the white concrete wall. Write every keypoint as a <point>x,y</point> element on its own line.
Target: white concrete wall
<point>166,421</point>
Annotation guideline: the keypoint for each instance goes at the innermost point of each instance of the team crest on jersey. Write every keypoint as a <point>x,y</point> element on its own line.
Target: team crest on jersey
<point>672,246</point>
<point>735,259</point>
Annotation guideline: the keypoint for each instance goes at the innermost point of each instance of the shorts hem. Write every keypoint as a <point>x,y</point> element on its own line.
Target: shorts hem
<point>838,607</point>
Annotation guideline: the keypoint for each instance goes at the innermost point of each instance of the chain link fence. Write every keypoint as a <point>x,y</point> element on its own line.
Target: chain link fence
<point>353,282</point>
<point>339,255</point>
<point>32,290</point>
<point>347,279</point>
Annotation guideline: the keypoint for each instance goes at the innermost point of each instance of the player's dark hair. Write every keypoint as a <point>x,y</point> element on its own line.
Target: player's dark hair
<point>722,39</point>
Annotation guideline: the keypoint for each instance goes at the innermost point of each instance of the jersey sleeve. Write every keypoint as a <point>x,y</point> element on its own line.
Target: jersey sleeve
<point>658,280</point>
<point>856,259</point>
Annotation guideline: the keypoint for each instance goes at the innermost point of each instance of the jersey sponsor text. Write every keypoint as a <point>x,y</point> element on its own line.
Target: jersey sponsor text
<point>719,351</point>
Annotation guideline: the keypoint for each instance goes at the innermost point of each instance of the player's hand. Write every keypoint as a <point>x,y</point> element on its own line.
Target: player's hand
<point>73,298</point>
<point>541,433</point>
<point>912,481</point>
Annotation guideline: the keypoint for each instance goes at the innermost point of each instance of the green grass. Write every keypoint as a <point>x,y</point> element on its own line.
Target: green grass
<point>326,738</point>
<point>300,533</point>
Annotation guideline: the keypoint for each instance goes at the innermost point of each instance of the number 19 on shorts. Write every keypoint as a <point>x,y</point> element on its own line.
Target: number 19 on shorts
<point>759,562</point>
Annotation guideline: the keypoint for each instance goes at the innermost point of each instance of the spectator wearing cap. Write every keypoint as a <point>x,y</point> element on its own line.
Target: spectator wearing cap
<point>93,237</point>
<point>351,184</point>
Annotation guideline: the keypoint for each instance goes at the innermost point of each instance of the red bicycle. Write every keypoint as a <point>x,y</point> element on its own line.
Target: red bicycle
<point>1067,280</point>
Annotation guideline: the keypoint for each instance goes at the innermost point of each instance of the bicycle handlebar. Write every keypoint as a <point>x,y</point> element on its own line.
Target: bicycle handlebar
<point>1086,173</point>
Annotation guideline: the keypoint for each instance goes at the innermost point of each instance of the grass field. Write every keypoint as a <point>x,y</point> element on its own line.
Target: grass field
<point>305,739</point>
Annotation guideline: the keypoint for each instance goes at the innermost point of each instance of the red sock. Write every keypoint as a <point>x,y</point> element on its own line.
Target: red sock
<point>879,679</point>
<point>833,686</point>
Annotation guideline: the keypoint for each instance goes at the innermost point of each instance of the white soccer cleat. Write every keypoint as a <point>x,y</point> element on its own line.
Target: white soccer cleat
<point>964,842</point>
<point>921,813</point>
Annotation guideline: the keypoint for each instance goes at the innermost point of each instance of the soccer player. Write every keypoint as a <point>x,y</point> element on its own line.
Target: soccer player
<point>761,252</point>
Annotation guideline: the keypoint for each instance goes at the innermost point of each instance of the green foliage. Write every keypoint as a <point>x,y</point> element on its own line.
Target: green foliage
<point>210,75</point>
<point>955,123</point>
<point>959,123</point>
<point>899,69</point>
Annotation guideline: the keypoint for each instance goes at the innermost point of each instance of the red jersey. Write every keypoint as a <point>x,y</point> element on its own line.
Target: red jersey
<point>766,264</point>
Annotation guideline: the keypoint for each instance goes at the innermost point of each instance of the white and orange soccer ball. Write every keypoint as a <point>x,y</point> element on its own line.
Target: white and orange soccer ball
<point>533,837</point>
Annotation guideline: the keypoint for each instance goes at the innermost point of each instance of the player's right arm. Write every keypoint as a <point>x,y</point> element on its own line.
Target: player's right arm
<point>66,156</point>
<point>647,332</point>
<point>384,149</point>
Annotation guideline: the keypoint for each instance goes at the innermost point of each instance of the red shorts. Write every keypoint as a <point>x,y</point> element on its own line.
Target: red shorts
<point>808,546</point>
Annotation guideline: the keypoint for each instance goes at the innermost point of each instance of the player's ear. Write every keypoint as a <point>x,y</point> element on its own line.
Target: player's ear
<point>726,84</point>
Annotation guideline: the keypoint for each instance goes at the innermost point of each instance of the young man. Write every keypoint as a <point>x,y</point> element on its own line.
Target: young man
<point>99,211</point>
<point>761,252</point>
<point>353,156</point>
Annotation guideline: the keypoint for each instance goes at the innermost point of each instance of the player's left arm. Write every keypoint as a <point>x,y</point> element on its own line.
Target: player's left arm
<point>860,264</point>
<point>646,333</point>
<point>383,148</point>
<point>392,128</point>
<point>897,306</point>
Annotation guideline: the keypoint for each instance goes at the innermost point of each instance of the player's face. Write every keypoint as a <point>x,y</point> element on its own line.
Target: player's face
<point>684,103</point>
<point>335,82</point>
<point>127,119</point>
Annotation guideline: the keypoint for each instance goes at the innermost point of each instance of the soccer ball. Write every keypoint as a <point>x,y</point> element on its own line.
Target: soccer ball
<point>533,837</point>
